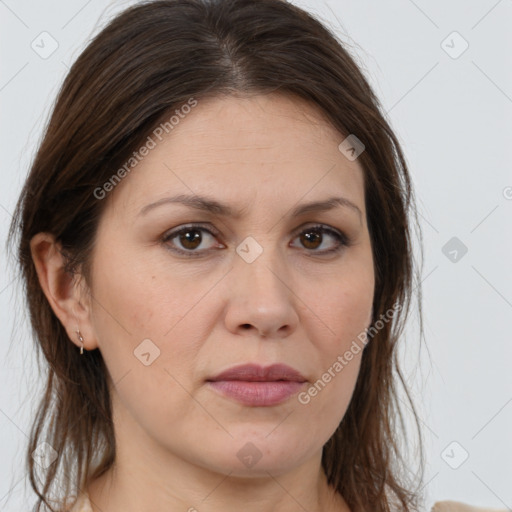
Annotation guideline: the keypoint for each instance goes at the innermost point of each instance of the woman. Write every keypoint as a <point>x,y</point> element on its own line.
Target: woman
<point>215,241</point>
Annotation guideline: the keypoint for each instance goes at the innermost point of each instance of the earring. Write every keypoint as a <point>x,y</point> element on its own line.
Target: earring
<point>81,341</point>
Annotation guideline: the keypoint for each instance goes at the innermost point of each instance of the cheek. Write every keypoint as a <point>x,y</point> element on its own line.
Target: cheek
<point>342,310</point>
<point>336,323</point>
<point>327,398</point>
<point>141,326</point>
<point>343,301</point>
<point>148,327</point>
<point>137,299</point>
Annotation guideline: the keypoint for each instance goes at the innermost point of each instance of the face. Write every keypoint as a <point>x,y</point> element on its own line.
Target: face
<point>183,293</point>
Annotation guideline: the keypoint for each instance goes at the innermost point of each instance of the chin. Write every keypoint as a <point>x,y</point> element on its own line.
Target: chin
<point>256,454</point>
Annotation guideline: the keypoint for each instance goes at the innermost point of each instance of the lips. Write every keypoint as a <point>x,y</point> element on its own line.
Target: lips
<point>258,386</point>
<point>256,373</point>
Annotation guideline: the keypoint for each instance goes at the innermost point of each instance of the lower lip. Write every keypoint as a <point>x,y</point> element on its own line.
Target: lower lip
<point>257,393</point>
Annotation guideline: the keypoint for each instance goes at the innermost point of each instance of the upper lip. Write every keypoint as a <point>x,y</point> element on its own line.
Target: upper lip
<point>257,373</point>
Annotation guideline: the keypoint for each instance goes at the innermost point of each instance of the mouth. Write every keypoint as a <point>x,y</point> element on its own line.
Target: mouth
<point>258,386</point>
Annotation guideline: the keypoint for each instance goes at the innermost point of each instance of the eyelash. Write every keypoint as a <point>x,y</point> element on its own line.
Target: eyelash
<point>343,240</point>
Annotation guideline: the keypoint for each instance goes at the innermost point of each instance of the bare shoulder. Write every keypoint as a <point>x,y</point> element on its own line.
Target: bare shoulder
<point>458,506</point>
<point>78,504</point>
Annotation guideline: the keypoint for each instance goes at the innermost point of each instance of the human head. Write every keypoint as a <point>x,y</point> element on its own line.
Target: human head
<point>127,83</point>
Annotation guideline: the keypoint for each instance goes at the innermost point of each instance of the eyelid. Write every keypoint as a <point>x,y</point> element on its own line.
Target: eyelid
<point>174,232</point>
<point>341,237</point>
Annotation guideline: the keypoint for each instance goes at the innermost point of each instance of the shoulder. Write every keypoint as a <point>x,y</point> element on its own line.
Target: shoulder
<point>458,506</point>
<point>78,504</point>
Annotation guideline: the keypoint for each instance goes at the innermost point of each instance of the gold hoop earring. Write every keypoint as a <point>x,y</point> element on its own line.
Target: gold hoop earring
<point>80,338</point>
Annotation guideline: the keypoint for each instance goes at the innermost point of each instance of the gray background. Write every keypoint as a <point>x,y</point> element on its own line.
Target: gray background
<point>452,112</point>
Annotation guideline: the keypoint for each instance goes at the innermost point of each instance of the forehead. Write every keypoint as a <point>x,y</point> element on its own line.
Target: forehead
<point>271,146</point>
<point>269,126</point>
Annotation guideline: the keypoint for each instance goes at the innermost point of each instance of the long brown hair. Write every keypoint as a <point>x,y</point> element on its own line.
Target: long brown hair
<point>146,63</point>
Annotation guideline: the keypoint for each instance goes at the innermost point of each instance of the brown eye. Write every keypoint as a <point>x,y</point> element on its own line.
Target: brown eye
<point>314,237</point>
<point>311,240</point>
<point>189,239</point>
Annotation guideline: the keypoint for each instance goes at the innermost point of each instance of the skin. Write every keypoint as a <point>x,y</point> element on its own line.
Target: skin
<point>177,439</point>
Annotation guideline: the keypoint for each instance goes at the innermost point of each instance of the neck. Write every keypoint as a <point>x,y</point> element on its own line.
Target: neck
<point>133,485</point>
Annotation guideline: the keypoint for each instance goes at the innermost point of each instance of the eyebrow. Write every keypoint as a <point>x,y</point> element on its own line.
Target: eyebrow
<point>210,205</point>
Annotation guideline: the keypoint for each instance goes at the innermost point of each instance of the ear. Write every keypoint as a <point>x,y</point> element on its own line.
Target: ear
<point>64,291</point>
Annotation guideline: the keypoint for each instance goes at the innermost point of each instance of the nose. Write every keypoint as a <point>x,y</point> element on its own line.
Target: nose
<point>261,297</point>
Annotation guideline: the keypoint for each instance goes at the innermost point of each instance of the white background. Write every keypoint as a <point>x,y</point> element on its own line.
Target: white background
<point>453,117</point>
